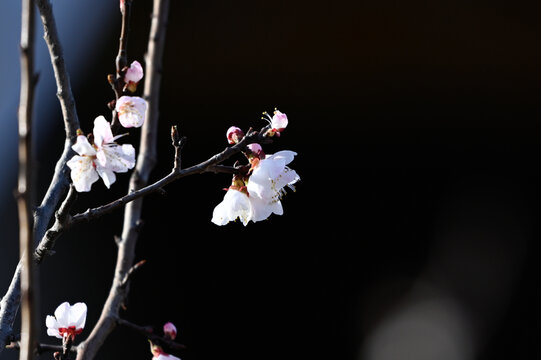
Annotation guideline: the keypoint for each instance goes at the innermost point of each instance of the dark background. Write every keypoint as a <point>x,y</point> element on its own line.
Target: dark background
<point>413,232</point>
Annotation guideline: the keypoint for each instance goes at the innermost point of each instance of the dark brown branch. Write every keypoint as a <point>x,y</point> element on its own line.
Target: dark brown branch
<point>62,222</point>
<point>41,348</point>
<point>25,188</point>
<point>139,179</point>
<point>148,332</point>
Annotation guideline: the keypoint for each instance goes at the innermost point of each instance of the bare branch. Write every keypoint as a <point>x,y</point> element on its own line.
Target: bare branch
<point>139,179</point>
<point>60,182</point>
<point>41,348</point>
<point>25,188</point>
<point>62,222</point>
<point>148,332</point>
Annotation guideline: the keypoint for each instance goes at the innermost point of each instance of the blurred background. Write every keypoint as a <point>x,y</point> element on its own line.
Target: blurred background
<point>413,233</point>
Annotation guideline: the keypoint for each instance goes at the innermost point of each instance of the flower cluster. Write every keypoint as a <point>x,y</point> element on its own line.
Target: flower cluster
<point>256,194</point>
<point>98,155</point>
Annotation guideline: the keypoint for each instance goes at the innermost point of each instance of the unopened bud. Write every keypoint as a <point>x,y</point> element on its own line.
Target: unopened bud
<point>234,135</point>
<point>256,150</point>
<point>170,331</point>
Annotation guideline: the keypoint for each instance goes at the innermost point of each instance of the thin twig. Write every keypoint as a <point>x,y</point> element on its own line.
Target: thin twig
<point>25,188</point>
<point>148,332</point>
<point>121,60</point>
<point>62,222</point>
<point>41,348</point>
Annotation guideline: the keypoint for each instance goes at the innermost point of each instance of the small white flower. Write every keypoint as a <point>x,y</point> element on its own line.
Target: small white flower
<point>111,157</point>
<point>68,320</point>
<point>102,159</point>
<point>83,169</point>
<point>134,73</point>
<point>131,111</point>
<point>271,175</point>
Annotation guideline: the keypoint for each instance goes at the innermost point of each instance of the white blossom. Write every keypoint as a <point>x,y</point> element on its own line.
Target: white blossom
<point>103,159</point>
<point>68,320</point>
<point>111,157</point>
<point>270,176</point>
<point>131,111</point>
<point>238,204</point>
<point>235,204</point>
<point>83,169</point>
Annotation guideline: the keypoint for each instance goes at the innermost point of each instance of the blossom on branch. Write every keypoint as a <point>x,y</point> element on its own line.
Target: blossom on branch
<point>102,159</point>
<point>111,157</point>
<point>83,169</point>
<point>133,75</point>
<point>131,111</point>
<point>238,203</point>
<point>278,122</point>
<point>270,175</point>
<point>68,321</point>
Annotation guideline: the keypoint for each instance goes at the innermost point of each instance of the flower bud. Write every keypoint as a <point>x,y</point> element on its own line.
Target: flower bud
<point>133,75</point>
<point>170,331</point>
<point>256,150</point>
<point>234,135</point>
<point>279,121</point>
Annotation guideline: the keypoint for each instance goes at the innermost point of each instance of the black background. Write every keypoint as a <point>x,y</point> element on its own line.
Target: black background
<point>415,125</point>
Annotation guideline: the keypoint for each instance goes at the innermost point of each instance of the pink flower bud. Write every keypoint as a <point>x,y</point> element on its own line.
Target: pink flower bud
<point>134,73</point>
<point>256,150</point>
<point>170,331</point>
<point>279,121</point>
<point>234,135</point>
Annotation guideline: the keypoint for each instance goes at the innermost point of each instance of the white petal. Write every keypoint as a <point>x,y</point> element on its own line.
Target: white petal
<point>118,158</point>
<point>50,322</point>
<point>219,215</point>
<point>235,205</point>
<point>106,174</point>
<point>54,332</point>
<point>279,120</point>
<point>83,147</point>
<point>263,209</point>
<point>62,314</point>
<point>78,315</point>
<point>102,132</point>
<point>83,174</point>
<point>286,155</point>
